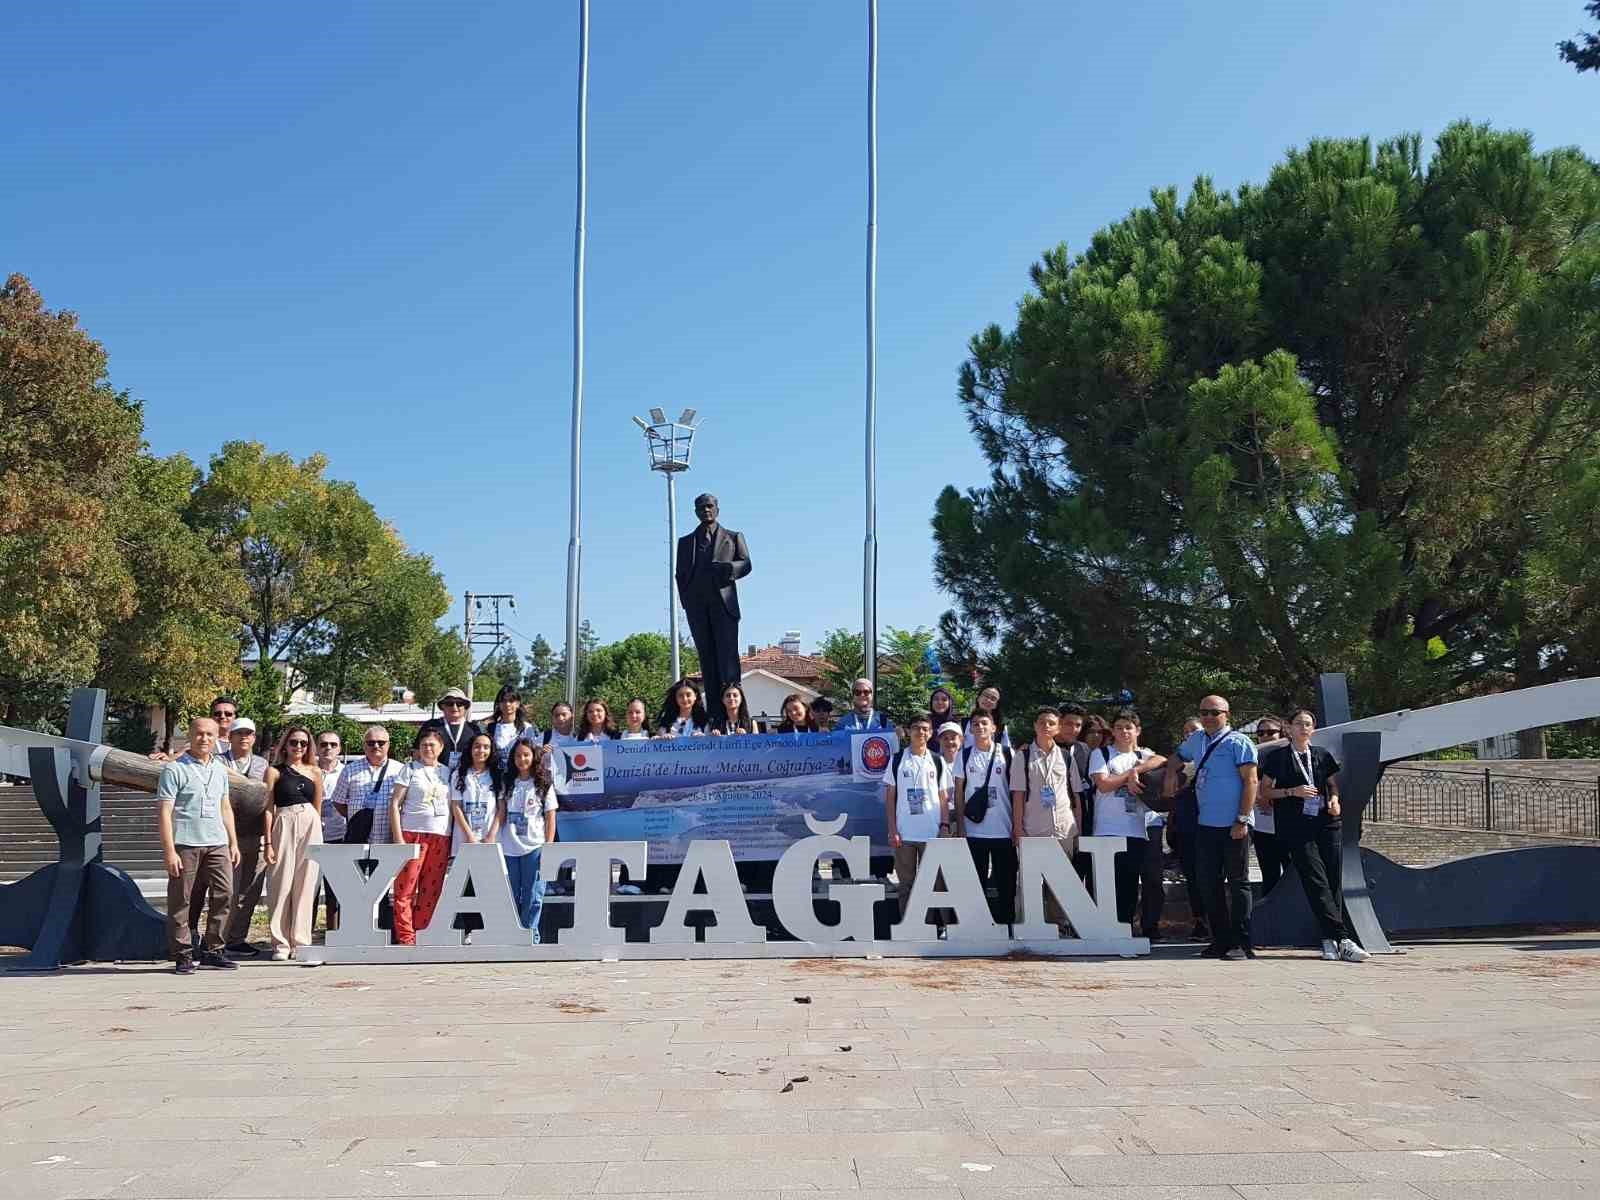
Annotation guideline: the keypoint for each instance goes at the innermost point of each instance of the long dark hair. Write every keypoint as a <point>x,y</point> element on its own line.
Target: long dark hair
<point>949,714</point>
<point>741,719</point>
<point>669,706</point>
<point>788,726</point>
<point>508,693</point>
<point>543,780</point>
<point>581,726</point>
<point>464,765</point>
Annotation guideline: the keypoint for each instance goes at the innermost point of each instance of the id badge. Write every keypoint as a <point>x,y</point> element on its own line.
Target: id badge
<point>476,814</point>
<point>454,757</point>
<point>1047,796</point>
<point>916,800</point>
<point>1312,806</point>
<point>210,806</point>
<point>1130,805</point>
<point>519,823</point>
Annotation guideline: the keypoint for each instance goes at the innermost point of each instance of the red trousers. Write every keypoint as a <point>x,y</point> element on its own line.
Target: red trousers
<point>417,887</point>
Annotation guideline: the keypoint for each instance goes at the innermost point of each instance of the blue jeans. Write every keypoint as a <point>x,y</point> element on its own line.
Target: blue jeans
<point>527,889</point>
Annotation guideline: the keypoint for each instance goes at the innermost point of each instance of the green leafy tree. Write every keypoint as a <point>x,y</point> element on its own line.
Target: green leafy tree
<point>1583,52</point>
<point>312,551</point>
<point>179,647</point>
<point>905,678</point>
<point>1325,424</point>
<point>544,664</point>
<point>438,663</point>
<point>501,669</point>
<point>261,699</point>
<point>638,665</point>
<point>363,648</point>
<point>66,442</point>
<point>848,662</point>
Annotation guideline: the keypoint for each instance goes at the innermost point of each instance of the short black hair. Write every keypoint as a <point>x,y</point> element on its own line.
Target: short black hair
<point>920,719</point>
<point>822,704</point>
<point>1048,711</point>
<point>226,700</point>
<point>1072,710</point>
<point>1127,714</point>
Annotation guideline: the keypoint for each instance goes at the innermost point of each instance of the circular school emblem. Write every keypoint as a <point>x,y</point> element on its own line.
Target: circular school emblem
<point>875,753</point>
<point>580,760</point>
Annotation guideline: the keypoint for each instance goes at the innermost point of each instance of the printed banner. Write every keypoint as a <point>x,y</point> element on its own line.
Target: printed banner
<point>754,791</point>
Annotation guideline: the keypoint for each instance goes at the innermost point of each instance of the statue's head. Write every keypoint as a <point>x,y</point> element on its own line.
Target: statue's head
<point>705,507</point>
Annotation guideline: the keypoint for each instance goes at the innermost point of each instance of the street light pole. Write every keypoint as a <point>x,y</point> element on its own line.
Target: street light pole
<point>670,445</point>
<point>672,570</point>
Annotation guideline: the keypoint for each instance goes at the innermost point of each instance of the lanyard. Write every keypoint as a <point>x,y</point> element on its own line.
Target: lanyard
<point>1305,766</point>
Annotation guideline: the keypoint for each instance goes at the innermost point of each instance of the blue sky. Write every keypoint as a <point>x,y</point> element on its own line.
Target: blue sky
<point>347,228</point>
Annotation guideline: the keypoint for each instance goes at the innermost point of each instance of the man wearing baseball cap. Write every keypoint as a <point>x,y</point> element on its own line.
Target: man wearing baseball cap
<point>250,876</point>
<point>453,728</point>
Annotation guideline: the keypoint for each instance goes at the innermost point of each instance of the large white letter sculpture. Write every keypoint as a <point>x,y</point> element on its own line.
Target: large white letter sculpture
<point>591,875</point>
<point>794,901</point>
<point>724,898</point>
<point>949,860</point>
<point>484,866</point>
<point>359,894</point>
<point>1045,864</point>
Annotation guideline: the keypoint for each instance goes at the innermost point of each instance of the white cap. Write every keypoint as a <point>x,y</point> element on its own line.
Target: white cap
<point>949,727</point>
<point>242,725</point>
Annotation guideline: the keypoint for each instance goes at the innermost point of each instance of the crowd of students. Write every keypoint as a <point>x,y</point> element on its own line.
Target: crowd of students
<point>955,776</point>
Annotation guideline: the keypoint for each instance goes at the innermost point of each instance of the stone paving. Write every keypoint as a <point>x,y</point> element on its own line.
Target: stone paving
<point>1458,1070</point>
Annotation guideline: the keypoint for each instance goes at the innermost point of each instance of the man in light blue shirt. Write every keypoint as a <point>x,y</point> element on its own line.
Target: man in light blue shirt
<point>1225,790</point>
<point>199,845</point>
<point>862,716</point>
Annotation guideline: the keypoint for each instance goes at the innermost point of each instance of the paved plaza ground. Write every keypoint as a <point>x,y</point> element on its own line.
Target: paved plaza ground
<point>1459,1070</point>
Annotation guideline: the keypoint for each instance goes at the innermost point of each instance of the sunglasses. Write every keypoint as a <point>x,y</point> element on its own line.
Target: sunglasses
<point>376,743</point>
<point>327,745</point>
<point>1213,712</point>
<point>453,704</point>
<point>1269,733</point>
<point>219,715</point>
<point>297,742</point>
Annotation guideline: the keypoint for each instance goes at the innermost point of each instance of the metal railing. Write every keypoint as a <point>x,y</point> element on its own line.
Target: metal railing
<point>1492,800</point>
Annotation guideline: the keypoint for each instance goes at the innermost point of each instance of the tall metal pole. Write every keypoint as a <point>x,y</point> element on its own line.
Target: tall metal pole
<point>869,573</point>
<point>672,583</point>
<point>467,629</point>
<point>574,540</point>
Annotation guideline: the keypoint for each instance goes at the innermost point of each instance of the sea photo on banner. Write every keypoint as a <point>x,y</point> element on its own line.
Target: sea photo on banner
<point>753,790</point>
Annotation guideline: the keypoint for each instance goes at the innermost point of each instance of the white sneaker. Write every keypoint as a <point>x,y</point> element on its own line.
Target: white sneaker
<point>280,954</point>
<point>1330,950</point>
<point>1350,952</point>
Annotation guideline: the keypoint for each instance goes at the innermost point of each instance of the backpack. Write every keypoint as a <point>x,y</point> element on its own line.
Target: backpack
<point>938,766</point>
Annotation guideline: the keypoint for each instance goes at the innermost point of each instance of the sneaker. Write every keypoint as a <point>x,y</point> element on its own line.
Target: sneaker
<point>210,958</point>
<point>280,954</point>
<point>1249,952</point>
<point>183,966</point>
<point>1330,950</point>
<point>1350,952</point>
<point>1237,954</point>
<point>1214,950</point>
<point>1200,933</point>
<point>242,949</point>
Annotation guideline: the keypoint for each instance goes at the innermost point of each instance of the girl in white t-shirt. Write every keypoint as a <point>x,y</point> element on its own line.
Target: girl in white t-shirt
<point>683,714</point>
<point>472,795</point>
<point>510,724</point>
<point>1117,771</point>
<point>633,721</point>
<point>419,813</point>
<point>526,817</point>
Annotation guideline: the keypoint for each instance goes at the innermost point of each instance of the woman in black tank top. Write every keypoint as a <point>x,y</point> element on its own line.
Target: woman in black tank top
<point>294,823</point>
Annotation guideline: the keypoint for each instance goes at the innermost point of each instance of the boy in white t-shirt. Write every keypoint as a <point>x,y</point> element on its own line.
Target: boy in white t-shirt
<point>1118,772</point>
<point>983,814</point>
<point>916,796</point>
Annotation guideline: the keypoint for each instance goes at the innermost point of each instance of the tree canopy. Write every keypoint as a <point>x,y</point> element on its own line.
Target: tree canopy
<point>1583,51</point>
<point>1338,421</point>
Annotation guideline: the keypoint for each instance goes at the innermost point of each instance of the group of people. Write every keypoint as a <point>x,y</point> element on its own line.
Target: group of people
<point>955,776</point>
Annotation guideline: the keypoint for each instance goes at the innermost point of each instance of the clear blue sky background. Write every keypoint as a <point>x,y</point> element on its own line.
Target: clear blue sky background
<point>347,228</point>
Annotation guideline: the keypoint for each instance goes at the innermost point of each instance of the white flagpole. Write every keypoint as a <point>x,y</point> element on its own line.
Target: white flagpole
<point>869,583</point>
<point>575,540</point>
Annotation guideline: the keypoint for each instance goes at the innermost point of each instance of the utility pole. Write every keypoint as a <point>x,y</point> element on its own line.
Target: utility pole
<point>492,632</point>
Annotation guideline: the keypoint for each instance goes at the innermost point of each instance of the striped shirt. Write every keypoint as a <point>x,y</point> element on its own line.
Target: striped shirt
<point>359,788</point>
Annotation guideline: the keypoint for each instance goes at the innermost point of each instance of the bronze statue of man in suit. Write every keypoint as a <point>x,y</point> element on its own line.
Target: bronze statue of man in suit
<point>710,560</point>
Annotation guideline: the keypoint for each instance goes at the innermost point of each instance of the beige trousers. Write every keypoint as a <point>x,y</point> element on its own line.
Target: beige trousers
<point>292,880</point>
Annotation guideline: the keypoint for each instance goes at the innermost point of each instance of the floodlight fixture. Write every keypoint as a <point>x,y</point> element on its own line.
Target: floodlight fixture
<point>688,417</point>
<point>659,417</point>
<point>639,421</point>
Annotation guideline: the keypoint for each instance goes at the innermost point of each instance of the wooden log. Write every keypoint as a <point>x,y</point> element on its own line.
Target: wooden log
<point>138,771</point>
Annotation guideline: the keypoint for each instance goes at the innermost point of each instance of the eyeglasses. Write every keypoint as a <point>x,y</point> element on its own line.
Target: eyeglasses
<point>453,704</point>
<point>376,743</point>
<point>1213,712</point>
<point>218,714</point>
<point>1269,733</point>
